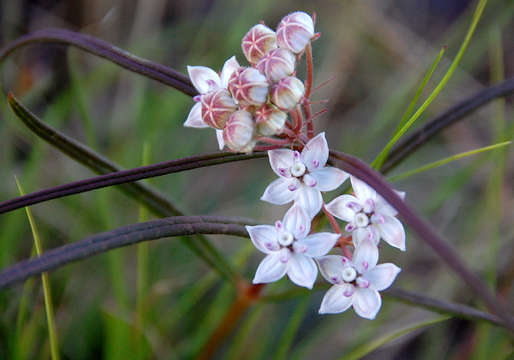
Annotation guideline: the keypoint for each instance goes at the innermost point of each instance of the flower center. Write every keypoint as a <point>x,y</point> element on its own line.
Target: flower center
<point>285,238</point>
<point>349,274</point>
<point>298,169</point>
<point>361,220</point>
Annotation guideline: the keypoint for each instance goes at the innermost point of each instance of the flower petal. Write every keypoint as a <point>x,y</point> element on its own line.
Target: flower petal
<point>383,207</point>
<point>362,190</point>
<point>297,222</point>
<point>329,178</point>
<point>331,268</point>
<point>278,193</point>
<point>392,232</point>
<point>382,276</point>
<point>194,119</point>
<point>315,152</point>
<point>366,302</point>
<point>302,270</point>
<point>370,233</point>
<point>264,237</point>
<point>219,136</point>
<point>309,198</point>
<point>365,256</point>
<point>319,244</point>
<point>271,268</point>
<point>281,161</point>
<point>340,209</point>
<point>203,78</point>
<point>334,300</point>
<point>228,68</point>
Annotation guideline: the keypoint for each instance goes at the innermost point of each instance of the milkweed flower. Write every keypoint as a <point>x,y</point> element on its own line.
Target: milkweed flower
<point>302,176</point>
<point>248,86</point>
<point>270,120</point>
<point>289,249</point>
<point>238,132</point>
<point>277,64</point>
<point>369,216</point>
<point>257,42</point>
<point>356,282</point>
<point>295,31</point>
<point>287,93</point>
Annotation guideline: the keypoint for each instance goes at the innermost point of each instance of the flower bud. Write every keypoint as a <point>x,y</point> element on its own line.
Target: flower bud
<point>295,31</point>
<point>248,86</point>
<point>277,64</point>
<point>217,106</point>
<point>257,42</point>
<point>238,132</point>
<point>270,120</point>
<point>287,93</point>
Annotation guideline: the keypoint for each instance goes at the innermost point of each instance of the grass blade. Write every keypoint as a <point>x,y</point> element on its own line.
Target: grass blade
<point>292,327</point>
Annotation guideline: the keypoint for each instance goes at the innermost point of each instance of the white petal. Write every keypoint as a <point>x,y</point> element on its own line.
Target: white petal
<point>334,300</point>
<point>297,222</point>
<point>366,302</point>
<point>309,198</point>
<point>362,190</point>
<point>383,207</point>
<point>365,256</point>
<point>271,268</point>
<point>264,237</point>
<point>278,193</point>
<point>319,244</point>
<point>329,178</point>
<point>339,207</point>
<point>281,161</point>
<point>194,119</point>
<point>382,276</point>
<point>302,270</point>
<point>392,232</point>
<point>219,137</point>
<point>315,152</point>
<point>370,233</point>
<point>331,268</point>
<point>228,68</point>
<point>203,78</point>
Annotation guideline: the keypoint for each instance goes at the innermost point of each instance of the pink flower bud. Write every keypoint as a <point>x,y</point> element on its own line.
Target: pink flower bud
<point>277,64</point>
<point>270,120</point>
<point>248,86</point>
<point>287,93</point>
<point>217,106</point>
<point>238,132</point>
<point>257,42</point>
<point>295,31</point>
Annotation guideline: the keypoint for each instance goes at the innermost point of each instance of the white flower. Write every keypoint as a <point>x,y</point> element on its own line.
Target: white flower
<point>356,282</point>
<point>368,215</point>
<point>289,250</point>
<point>206,80</point>
<point>303,176</point>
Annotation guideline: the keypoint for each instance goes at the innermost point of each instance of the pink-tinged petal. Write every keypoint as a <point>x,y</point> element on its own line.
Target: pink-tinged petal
<point>382,276</point>
<point>319,244</point>
<point>219,137</point>
<point>331,268</point>
<point>229,67</point>
<point>302,270</point>
<point>366,303</point>
<point>342,207</point>
<point>315,152</point>
<point>335,300</point>
<point>297,222</point>
<point>278,192</point>
<point>264,237</point>
<point>309,199</point>
<point>362,190</point>
<point>383,207</point>
<point>203,78</point>
<point>194,119</point>
<point>329,178</point>
<point>271,268</point>
<point>365,256</point>
<point>281,161</point>
<point>370,233</point>
<point>392,232</point>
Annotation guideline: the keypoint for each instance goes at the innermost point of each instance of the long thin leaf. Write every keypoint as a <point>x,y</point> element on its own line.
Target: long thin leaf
<point>293,324</point>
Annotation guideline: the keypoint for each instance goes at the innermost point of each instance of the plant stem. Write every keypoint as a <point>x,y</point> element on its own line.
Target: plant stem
<point>308,86</point>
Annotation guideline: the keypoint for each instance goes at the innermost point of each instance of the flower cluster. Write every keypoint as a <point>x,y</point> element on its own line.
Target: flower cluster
<point>246,102</point>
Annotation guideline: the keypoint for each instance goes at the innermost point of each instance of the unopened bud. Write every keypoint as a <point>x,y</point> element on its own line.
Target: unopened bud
<point>286,94</point>
<point>295,31</point>
<point>248,86</point>
<point>270,120</point>
<point>217,106</point>
<point>238,132</point>
<point>277,64</point>
<point>257,42</point>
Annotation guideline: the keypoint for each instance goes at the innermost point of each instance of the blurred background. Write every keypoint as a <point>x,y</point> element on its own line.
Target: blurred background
<point>375,54</point>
